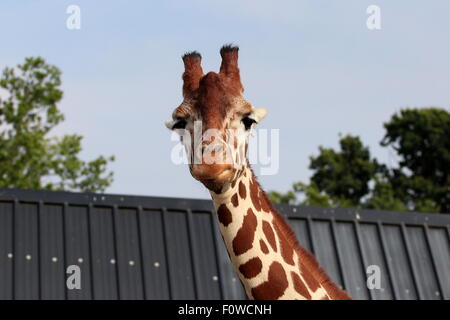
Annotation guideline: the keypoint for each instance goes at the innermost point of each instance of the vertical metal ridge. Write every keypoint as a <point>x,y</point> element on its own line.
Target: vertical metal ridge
<point>392,282</point>
<point>363,259</point>
<point>139,212</point>
<point>14,247</point>
<point>309,227</point>
<point>166,252</point>
<point>193,250</point>
<point>448,233</point>
<point>335,245</point>
<point>216,254</point>
<point>91,254</point>
<point>116,255</point>
<point>433,262</point>
<point>64,245</point>
<point>39,280</point>
<point>412,267</point>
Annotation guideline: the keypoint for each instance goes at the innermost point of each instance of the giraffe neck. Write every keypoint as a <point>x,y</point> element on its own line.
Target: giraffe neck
<point>263,249</point>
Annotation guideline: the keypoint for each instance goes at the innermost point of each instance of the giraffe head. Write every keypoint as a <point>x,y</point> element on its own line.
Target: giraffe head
<point>214,120</point>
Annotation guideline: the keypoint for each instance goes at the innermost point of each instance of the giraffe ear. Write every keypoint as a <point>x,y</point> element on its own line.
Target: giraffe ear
<point>259,113</point>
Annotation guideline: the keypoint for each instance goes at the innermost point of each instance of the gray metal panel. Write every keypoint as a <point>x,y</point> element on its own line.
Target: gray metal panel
<point>26,251</point>
<point>77,241</point>
<point>179,256</point>
<point>352,265</point>
<point>440,247</point>
<point>372,247</point>
<point>156,280</point>
<point>128,254</point>
<point>422,262</point>
<point>204,256</point>
<point>104,259</point>
<point>131,247</point>
<point>325,250</point>
<point>398,258</point>
<point>52,273</point>
<point>6,250</point>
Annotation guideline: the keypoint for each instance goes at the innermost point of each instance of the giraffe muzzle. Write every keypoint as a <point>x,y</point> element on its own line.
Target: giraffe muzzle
<point>218,173</point>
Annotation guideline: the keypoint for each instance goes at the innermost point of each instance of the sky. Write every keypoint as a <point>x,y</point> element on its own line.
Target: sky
<point>314,65</point>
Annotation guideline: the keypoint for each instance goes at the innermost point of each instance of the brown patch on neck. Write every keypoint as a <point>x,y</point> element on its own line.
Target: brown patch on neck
<point>243,240</point>
<point>275,286</point>
<point>235,200</point>
<point>299,286</point>
<point>254,193</point>
<point>270,235</point>
<point>263,246</point>
<point>242,190</point>
<point>224,215</point>
<point>251,268</point>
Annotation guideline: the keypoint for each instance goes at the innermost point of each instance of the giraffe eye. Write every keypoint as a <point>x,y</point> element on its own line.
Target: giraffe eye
<point>247,121</point>
<point>180,124</point>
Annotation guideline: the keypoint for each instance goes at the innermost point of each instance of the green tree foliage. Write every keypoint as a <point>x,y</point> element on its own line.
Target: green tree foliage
<point>421,137</point>
<point>344,174</point>
<point>383,197</point>
<point>351,178</point>
<point>29,157</point>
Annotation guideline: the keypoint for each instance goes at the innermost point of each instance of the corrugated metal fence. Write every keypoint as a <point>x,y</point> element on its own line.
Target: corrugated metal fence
<point>130,247</point>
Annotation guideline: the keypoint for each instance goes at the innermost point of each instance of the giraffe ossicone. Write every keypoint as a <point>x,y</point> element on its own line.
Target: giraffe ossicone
<point>262,247</point>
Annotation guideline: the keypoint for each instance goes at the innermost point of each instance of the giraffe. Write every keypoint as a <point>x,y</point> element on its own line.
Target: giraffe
<point>262,247</point>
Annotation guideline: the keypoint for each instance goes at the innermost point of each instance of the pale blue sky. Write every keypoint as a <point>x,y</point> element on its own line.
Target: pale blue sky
<point>313,64</point>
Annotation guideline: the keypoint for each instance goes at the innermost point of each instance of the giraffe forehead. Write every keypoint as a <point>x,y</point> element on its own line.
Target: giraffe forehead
<point>212,101</point>
<point>217,100</point>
